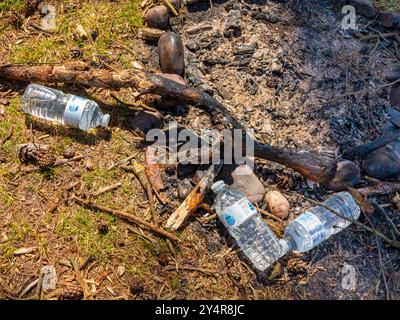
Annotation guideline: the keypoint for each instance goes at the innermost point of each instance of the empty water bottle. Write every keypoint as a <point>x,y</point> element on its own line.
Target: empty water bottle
<point>245,224</point>
<point>319,223</point>
<point>67,109</point>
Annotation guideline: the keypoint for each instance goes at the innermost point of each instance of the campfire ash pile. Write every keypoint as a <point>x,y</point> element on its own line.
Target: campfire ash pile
<point>379,159</point>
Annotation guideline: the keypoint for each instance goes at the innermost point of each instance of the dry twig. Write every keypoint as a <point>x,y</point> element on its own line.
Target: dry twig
<point>126,216</point>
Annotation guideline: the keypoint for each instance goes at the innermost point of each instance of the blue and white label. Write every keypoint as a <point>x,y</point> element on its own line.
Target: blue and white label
<point>74,110</point>
<point>314,226</point>
<point>234,215</point>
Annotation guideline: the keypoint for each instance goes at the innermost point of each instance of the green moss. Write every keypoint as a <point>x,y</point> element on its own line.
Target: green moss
<point>109,20</point>
<point>6,198</point>
<point>39,49</point>
<point>16,232</point>
<point>99,177</point>
<point>12,5</point>
<point>81,224</point>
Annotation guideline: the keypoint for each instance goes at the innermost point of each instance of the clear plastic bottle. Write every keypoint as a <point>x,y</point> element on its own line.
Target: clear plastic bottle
<point>67,109</point>
<point>245,224</point>
<point>318,224</point>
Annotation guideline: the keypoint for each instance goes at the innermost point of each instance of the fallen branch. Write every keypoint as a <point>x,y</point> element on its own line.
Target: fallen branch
<point>363,150</point>
<point>122,161</point>
<point>194,199</point>
<point>60,162</point>
<point>171,6</point>
<point>375,36</point>
<point>129,217</point>
<point>317,167</point>
<point>106,189</point>
<point>57,163</point>
<point>154,174</point>
<point>380,188</point>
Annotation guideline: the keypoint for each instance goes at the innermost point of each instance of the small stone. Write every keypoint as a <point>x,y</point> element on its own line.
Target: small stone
<point>4,102</point>
<point>171,53</point>
<point>89,164</point>
<point>69,153</point>
<point>157,17</point>
<point>80,32</point>
<point>246,181</point>
<point>137,65</point>
<point>384,162</point>
<point>77,173</point>
<point>120,271</point>
<point>390,19</point>
<point>193,46</point>
<point>277,204</point>
<point>363,7</point>
<point>146,120</point>
<point>395,97</point>
<point>184,188</point>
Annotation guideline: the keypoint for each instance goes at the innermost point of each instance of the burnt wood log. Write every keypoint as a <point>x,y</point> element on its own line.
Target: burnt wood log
<point>320,168</point>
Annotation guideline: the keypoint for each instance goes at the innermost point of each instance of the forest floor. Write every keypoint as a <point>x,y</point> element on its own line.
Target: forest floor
<point>286,90</point>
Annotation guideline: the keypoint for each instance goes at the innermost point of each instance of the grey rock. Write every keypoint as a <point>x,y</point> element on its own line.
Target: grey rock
<point>246,181</point>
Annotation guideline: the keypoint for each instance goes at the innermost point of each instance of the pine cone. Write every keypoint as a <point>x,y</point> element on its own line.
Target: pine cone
<point>37,154</point>
<point>70,292</point>
<point>296,265</point>
<point>284,181</point>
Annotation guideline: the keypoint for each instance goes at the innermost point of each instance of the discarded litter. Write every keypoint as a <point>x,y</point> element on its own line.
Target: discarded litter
<point>245,224</point>
<point>67,109</point>
<point>318,224</point>
<point>259,243</point>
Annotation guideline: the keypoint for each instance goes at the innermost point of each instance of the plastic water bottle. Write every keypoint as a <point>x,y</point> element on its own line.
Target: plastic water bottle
<point>67,109</point>
<point>319,223</point>
<point>245,224</point>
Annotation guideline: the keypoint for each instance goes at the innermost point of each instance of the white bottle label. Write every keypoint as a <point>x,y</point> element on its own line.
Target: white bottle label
<point>234,215</point>
<point>74,110</point>
<point>314,226</point>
